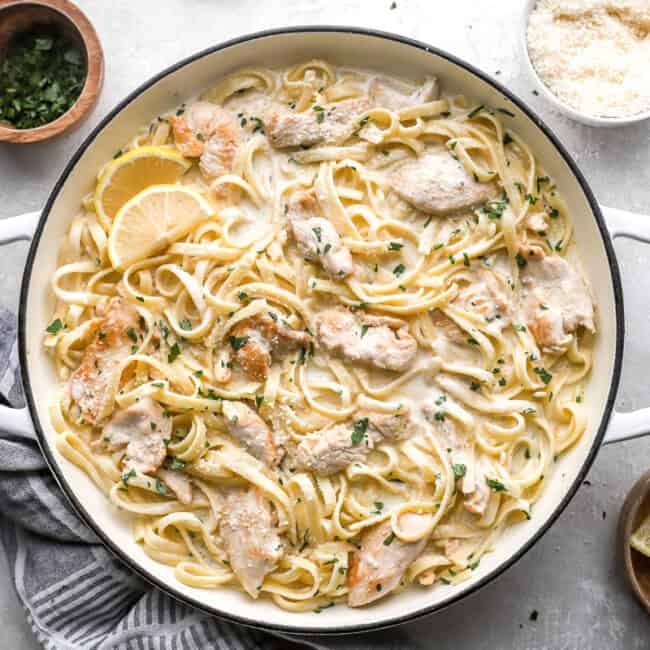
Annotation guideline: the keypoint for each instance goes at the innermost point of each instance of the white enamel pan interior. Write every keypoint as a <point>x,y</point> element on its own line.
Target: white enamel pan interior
<point>400,57</point>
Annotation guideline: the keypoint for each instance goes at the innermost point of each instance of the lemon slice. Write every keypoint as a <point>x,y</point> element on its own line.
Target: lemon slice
<point>129,174</point>
<point>640,539</point>
<point>153,219</point>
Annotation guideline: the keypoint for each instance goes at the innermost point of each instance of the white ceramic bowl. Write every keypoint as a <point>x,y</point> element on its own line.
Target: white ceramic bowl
<point>387,53</point>
<point>570,111</point>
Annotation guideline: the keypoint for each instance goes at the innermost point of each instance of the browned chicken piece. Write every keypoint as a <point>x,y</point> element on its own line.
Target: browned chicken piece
<point>437,184</point>
<point>379,341</point>
<point>378,566</point>
<point>394,426</point>
<point>261,339</point>
<point>142,428</point>
<point>90,384</point>
<point>384,95</point>
<point>447,327</point>
<point>555,299</point>
<point>537,222</point>
<point>486,296</point>
<point>316,237</point>
<point>210,133</point>
<point>327,124</point>
<point>332,449</point>
<point>248,427</point>
<point>250,537</point>
<point>178,482</point>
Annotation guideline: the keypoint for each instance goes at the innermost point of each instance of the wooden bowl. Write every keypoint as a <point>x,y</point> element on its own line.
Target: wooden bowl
<point>637,566</point>
<point>18,16</point>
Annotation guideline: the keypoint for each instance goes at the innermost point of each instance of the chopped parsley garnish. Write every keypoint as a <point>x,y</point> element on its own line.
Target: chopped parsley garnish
<point>258,400</point>
<point>131,334</point>
<point>465,259</point>
<point>379,506</point>
<point>495,485</point>
<point>164,330</point>
<point>318,233</point>
<point>186,324</point>
<point>472,341</point>
<point>475,112</point>
<point>237,342</point>
<point>55,326</point>
<point>531,199</point>
<point>175,463</point>
<point>160,488</point>
<point>359,431</point>
<point>507,139</point>
<point>364,330</point>
<point>395,246</point>
<point>474,386</point>
<point>128,475</point>
<point>553,213</point>
<point>399,269</point>
<point>174,351</point>
<point>505,111</point>
<point>158,384</point>
<point>494,209</point>
<point>459,470</point>
<point>139,298</point>
<point>388,541</point>
<point>542,180</point>
<point>544,375</point>
<point>521,260</point>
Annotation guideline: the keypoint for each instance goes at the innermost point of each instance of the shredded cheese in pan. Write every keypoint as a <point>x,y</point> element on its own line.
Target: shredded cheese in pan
<point>593,54</point>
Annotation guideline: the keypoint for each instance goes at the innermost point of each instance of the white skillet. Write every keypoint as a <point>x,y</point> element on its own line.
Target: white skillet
<point>595,227</point>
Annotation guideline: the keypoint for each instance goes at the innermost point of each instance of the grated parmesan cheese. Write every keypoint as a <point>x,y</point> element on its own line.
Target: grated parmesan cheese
<point>593,54</point>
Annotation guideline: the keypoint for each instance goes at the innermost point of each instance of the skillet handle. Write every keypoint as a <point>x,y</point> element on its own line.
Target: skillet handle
<point>18,228</point>
<point>17,422</point>
<point>620,223</point>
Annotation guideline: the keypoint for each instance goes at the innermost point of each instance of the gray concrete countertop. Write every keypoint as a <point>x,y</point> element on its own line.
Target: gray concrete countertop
<point>572,577</point>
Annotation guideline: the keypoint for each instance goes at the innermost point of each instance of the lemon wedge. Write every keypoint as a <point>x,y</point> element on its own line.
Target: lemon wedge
<point>132,172</point>
<point>640,539</point>
<point>147,223</point>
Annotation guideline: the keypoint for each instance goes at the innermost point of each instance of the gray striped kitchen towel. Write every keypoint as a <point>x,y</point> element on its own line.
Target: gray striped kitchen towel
<point>76,595</point>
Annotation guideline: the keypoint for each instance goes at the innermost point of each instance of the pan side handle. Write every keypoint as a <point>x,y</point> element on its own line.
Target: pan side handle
<point>17,422</point>
<point>620,223</point>
<point>18,228</point>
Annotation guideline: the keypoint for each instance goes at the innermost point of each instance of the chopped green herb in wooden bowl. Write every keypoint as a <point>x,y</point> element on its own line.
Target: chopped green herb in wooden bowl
<point>51,68</point>
<point>41,77</point>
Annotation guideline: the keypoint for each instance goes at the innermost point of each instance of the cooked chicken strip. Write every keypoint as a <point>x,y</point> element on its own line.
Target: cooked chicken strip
<point>384,95</point>
<point>555,299</point>
<point>90,385</point>
<point>250,537</point>
<point>178,482</point>
<point>486,296</point>
<point>332,449</point>
<point>246,426</point>
<point>377,567</point>
<point>334,124</point>
<point>437,184</point>
<point>264,339</point>
<point>142,428</point>
<point>447,327</point>
<point>208,132</point>
<point>358,337</point>
<point>316,237</point>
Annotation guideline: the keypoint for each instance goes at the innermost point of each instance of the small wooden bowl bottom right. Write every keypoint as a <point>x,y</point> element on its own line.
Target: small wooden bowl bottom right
<point>637,566</point>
